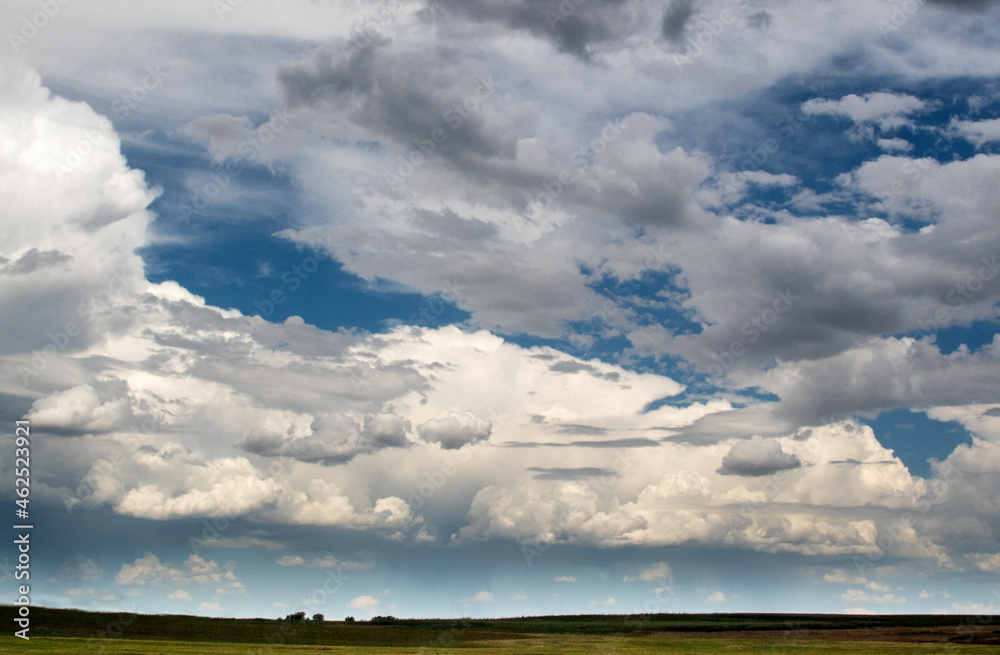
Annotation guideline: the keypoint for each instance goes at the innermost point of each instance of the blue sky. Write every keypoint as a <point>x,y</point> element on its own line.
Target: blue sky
<point>476,308</point>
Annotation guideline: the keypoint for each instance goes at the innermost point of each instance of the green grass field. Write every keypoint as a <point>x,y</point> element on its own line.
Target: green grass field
<point>79,632</point>
<point>520,645</point>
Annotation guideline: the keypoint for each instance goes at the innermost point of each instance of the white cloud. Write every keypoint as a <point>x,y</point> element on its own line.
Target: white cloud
<point>79,409</point>
<point>483,597</point>
<point>895,145</point>
<point>978,132</point>
<point>989,562</point>
<point>234,487</point>
<point>886,109</point>
<point>564,578</point>
<point>209,607</point>
<point>607,602</point>
<point>840,576</point>
<point>325,562</point>
<point>180,594</point>
<point>320,415</point>
<point>716,597</point>
<point>364,602</point>
<point>243,542</point>
<point>657,571</point>
<point>861,596</point>
<point>149,571</point>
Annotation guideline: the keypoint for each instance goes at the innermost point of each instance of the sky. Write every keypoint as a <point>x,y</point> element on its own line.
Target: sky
<point>444,308</point>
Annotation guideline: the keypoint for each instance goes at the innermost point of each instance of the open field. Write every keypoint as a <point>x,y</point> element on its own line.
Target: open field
<point>508,645</point>
<point>73,631</point>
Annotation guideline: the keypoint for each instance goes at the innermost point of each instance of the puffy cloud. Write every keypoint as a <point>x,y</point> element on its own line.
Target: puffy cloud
<point>334,440</point>
<point>885,109</point>
<point>75,213</point>
<point>387,90</point>
<point>978,132</point>
<point>833,504</point>
<point>149,571</point>
<point>895,145</point>
<point>483,597</point>
<point>716,597</point>
<point>757,457</point>
<point>364,602</point>
<point>180,594</point>
<point>224,487</point>
<point>456,430</point>
<point>882,374</point>
<point>79,410</point>
<point>564,578</point>
<point>386,430</point>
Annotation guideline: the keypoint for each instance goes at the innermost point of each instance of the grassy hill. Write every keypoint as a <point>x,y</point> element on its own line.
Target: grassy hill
<point>47,622</point>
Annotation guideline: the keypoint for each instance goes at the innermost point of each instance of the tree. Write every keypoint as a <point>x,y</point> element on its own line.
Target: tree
<point>349,619</point>
<point>298,616</point>
<point>317,617</point>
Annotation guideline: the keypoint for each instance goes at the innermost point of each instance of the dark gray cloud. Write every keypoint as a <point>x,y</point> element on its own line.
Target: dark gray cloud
<point>757,457</point>
<point>456,430</point>
<point>992,412</point>
<point>760,20</point>
<point>586,430</point>
<point>35,260</point>
<point>675,18</point>
<point>883,375</point>
<point>386,431</point>
<point>572,26</point>
<point>966,4</point>
<point>581,473</point>
<point>413,97</point>
<point>335,439</point>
